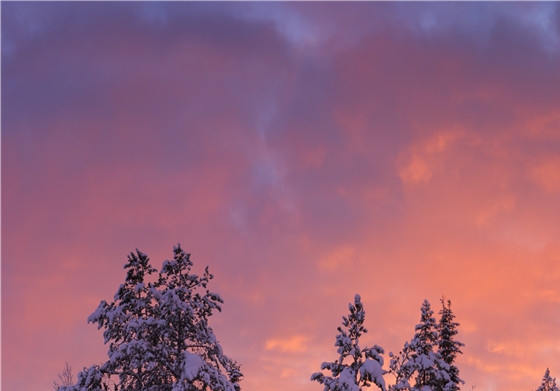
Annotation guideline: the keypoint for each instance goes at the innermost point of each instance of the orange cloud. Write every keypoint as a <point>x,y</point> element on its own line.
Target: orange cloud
<point>293,344</point>
<point>422,159</point>
<point>340,256</point>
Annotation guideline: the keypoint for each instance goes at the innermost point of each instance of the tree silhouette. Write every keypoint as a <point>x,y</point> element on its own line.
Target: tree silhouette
<point>158,333</point>
<point>355,367</point>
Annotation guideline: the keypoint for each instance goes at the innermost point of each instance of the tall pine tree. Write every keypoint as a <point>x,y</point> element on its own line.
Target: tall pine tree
<point>355,367</point>
<point>418,366</point>
<point>448,348</point>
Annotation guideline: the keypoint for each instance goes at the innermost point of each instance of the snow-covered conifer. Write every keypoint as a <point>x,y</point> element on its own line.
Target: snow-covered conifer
<point>419,361</point>
<point>548,383</point>
<point>158,333</point>
<point>448,347</point>
<point>355,367</point>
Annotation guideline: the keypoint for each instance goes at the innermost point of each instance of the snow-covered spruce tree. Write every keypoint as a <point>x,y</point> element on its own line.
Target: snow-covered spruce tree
<point>419,361</point>
<point>158,333</point>
<point>356,367</point>
<point>548,382</point>
<point>448,347</point>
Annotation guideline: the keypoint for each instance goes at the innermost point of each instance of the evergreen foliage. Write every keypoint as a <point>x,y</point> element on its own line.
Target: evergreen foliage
<point>356,367</point>
<point>448,347</point>
<point>548,382</point>
<point>419,360</point>
<point>158,333</point>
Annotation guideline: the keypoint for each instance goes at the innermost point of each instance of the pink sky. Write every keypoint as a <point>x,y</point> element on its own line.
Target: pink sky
<point>305,152</point>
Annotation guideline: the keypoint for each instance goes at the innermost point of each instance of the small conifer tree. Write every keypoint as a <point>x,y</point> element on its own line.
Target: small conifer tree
<point>356,367</point>
<point>548,382</point>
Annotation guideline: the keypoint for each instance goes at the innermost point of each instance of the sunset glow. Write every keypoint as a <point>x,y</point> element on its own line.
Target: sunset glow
<point>305,152</point>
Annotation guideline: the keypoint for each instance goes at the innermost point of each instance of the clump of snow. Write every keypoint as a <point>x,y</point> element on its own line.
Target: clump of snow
<point>347,380</point>
<point>192,365</point>
<point>374,370</point>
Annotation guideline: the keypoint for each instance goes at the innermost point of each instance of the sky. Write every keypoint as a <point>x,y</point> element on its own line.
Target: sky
<point>305,152</point>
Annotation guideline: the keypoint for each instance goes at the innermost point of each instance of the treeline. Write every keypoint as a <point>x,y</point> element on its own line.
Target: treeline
<point>160,340</point>
<point>426,362</point>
